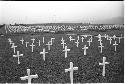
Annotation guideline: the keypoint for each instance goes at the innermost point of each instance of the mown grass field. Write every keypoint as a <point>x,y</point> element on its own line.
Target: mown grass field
<point>52,70</point>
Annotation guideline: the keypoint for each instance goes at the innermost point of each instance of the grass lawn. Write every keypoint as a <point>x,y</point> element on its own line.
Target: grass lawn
<point>52,70</point>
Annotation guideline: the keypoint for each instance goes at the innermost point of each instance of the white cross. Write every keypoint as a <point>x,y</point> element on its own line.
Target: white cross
<point>43,53</point>
<point>101,47</point>
<point>120,38</point>
<point>107,37</point>
<point>77,43</point>
<point>71,71</point>
<point>22,40</point>
<point>115,45</point>
<point>29,77</point>
<point>63,43</point>
<point>39,42</point>
<point>78,37</point>
<point>32,46</point>
<point>100,40</point>
<point>99,36</point>
<point>89,41</point>
<point>33,40</point>
<point>13,46</point>
<point>43,40</point>
<point>18,55</point>
<point>114,37</point>
<point>26,43</point>
<point>10,40</point>
<point>52,40</point>
<point>82,39</point>
<point>103,64</point>
<point>71,39</point>
<point>49,44</point>
<point>85,49</point>
<point>66,51</point>
<point>110,39</point>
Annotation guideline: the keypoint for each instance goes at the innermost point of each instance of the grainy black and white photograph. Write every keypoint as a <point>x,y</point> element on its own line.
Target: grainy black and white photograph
<point>59,42</point>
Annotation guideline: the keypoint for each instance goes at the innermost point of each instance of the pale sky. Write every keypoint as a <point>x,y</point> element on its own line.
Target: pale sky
<point>58,11</point>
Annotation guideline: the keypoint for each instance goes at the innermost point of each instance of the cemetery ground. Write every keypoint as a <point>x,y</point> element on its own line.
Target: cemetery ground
<point>52,70</point>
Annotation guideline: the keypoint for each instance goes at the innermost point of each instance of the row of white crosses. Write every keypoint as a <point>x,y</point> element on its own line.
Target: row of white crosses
<point>13,46</point>
<point>71,69</point>
<point>82,38</point>
<point>108,38</point>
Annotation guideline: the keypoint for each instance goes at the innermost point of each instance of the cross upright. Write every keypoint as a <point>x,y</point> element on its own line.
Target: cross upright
<point>52,39</point>
<point>99,36</point>
<point>78,37</point>
<point>29,77</point>
<point>71,39</point>
<point>13,46</point>
<point>33,40</point>
<point>89,41</point>
<point>26,43</point>
<point>120,38</point>
<point>101,46</point>
<point>115,45</point>
<point>107,37</point>
<point>103,64</point>
<point>39,42</point>
<point>63,43</point>
<point>22,40</point>
<point>43,40</point>
<point>114,37</point>
<point>71,69</point>
<point>85,49</point>
<point>43,53</point>
<point>18,55</point>
<point>32,46</point>
<point>49,44</point>
<point>66,50</point>
<point>77,43</point>
<point>100,40</point>
<point>82,39</point>
<point>110,39</point>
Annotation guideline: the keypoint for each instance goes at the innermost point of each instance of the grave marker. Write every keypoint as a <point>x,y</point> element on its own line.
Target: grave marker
<point>66,50</point>
<point>29,77</point>
<point>43,40</point>
<point>13,46</point>
<point>33,40</point>
<point>71,39</point>
<point>32,46</point>
<point>22,40</point>
<point>77,43</point>
<point>43,53</point>
<point>26,43</point>
<point>103,64</point>
<point>71,69</point>
<point>115,45</point>
<point>120,38</point>
<point>101,47</point>
<point>18,55</point>
<point>114,37</point>
<point>49,44</point>
<point>63,43</point>
<point>82,39</point>
<point>89,41</point>
<point>39,42</point>
<point>110,39</point>
<point>85,49</point>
